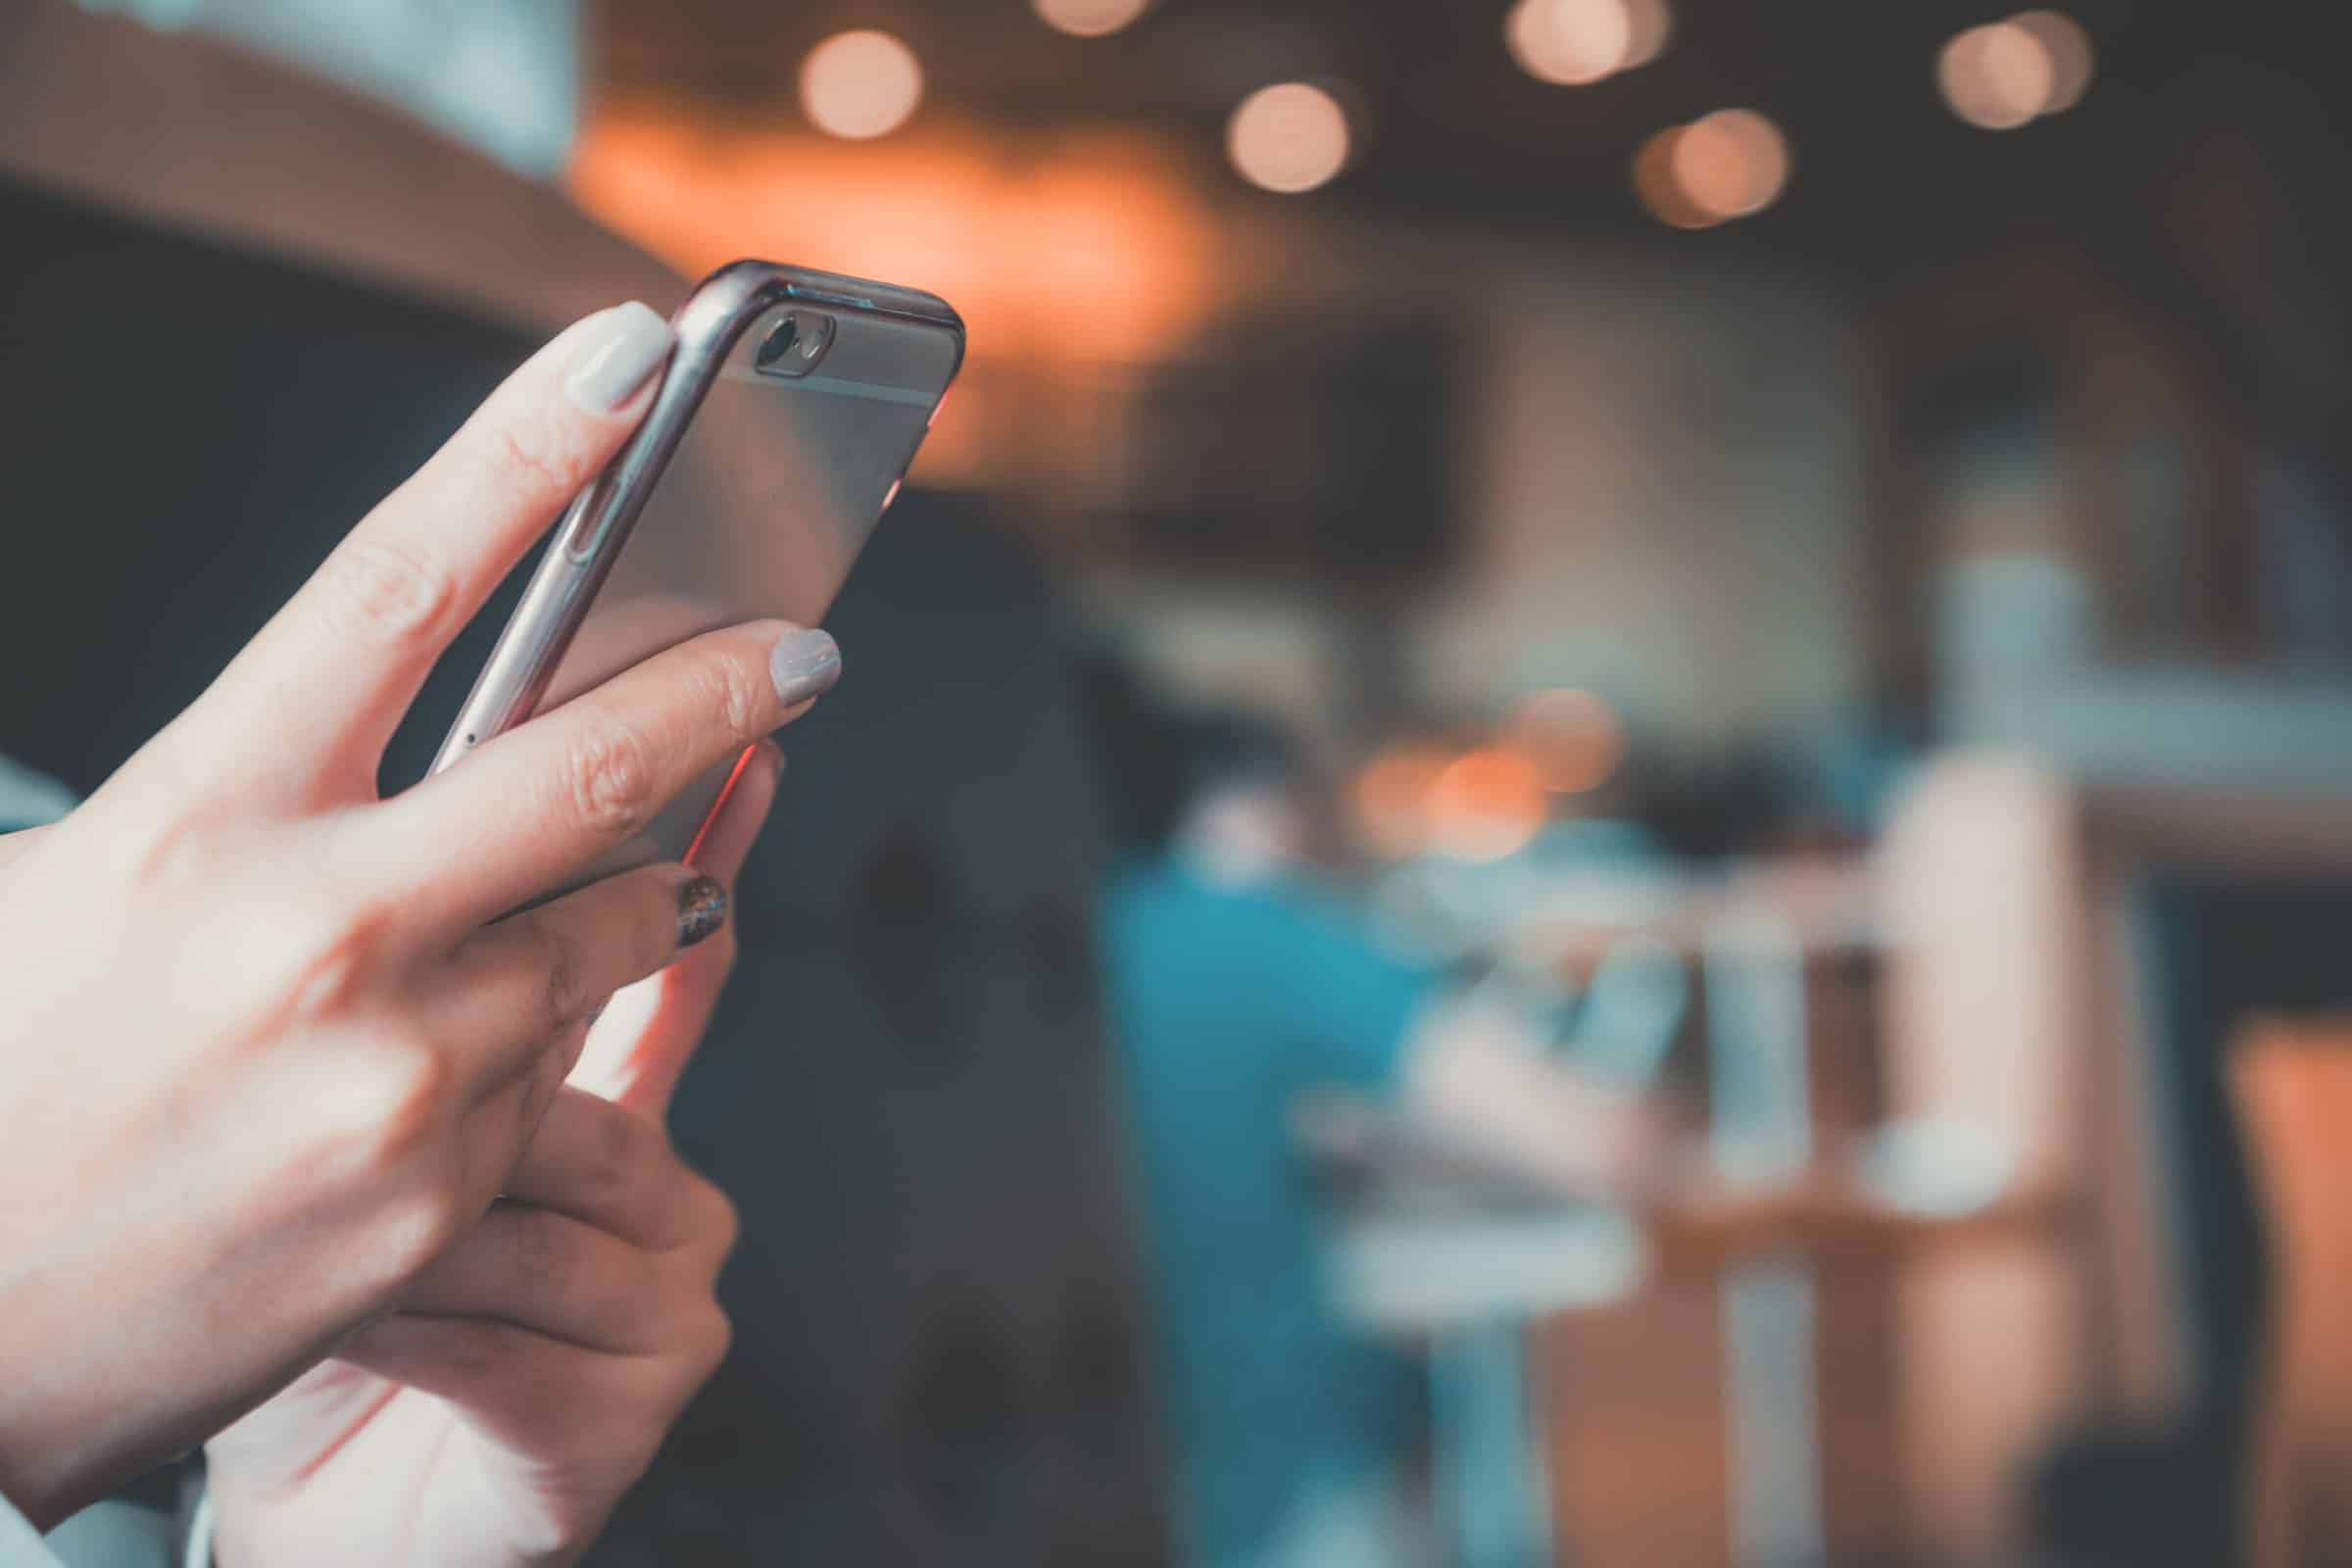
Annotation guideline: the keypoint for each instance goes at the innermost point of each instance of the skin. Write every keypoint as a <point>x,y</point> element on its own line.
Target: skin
<point>271,1049</point>
<point>529,1374</point>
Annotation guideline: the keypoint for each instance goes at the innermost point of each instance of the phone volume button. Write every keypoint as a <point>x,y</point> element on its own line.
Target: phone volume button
<point>578,540</point>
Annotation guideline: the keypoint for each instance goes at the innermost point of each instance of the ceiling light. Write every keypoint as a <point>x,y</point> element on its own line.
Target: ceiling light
<point>1998,76</point>
<point>1090,19</point>
<point>2070,52</point>
<point>1731,163</point>
<point>860,84</point>
<point>1571,42</point>
<point>1289,138</point>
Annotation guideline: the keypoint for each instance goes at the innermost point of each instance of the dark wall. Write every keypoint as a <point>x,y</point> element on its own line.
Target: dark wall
<point>938,1351</point>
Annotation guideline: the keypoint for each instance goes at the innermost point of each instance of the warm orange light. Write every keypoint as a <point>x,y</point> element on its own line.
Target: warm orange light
<point>1090,19</point>
<point>1574,42</point>
<point>1660,188</point>
<point>2071,59</point>
<point>1392,798</point>
<point>1486,805</point>
<point>1731,163</point>
<point>1083,248</point>
<point>1289,138</point>
<point>1653,29</point>
<point>860,84</point>
<point>1572,739</point>
<point>1998,76</point>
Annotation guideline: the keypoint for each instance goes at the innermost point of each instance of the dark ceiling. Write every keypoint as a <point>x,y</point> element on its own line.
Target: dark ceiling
<point>1457,130</point>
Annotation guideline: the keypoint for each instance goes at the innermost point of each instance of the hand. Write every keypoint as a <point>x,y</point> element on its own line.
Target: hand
<point>267,1046</point>
<point>530,1373</point>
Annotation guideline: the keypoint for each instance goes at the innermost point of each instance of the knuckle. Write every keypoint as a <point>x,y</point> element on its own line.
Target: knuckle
<point>545,1254</point>
<point>414,1231</point>
<point>385,591</point>
<point>559,959</point>
<point>611,779</point>
<point>735,691</point>
<point>620,1147</point>
<point>727,1222</point>
<point>712,1338</point>
<point>401,1097</point>
<point>536,458</point>
<point>332,965</point>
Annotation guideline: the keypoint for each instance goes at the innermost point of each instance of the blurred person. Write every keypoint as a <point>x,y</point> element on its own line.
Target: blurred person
<point>1237,992</point>
<point>301,1163</point>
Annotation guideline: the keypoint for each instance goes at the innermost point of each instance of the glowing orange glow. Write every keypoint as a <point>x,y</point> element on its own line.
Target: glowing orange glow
<point>1090,19</point>
<point>1998,76</point>
<point>1572,738</point>
<point>2071,59</point>
<point>1392,798</point>
<point>1653,29</point>
<point>1660,188</point>
<point>1571,43</point>
<point>860,84</point>
<point>1289,138</point>
<point>1070,248</point>
<point>1486,805</point>
<point>1732,163</point>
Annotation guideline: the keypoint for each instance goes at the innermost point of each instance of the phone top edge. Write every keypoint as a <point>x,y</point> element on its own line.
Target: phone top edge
<point>719,308</point>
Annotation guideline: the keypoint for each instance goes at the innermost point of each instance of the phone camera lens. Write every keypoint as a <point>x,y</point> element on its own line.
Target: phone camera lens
<point>795,344</point>
<point>780,340</point>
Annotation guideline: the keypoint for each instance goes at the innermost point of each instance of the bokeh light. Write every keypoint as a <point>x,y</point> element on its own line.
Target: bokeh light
<point>1090,19</point>
<point>1571,42</point>
<point>1653,29</point>
<point>1731,163</point>
<point>1289,138</point>
<point>860,84</point>
<point>1998,76</point>
<point>1574,739</point>
<point>1487,804</point>
<point>2071,62</point>
<point>1659,187</point>
<point>1392,798</point>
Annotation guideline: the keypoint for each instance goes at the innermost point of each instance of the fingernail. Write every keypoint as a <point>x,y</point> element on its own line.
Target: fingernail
<point>805,664</point>
<point>624,345</point>
<point>701,909</point>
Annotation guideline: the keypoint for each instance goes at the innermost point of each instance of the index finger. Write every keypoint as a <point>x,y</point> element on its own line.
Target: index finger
<point>321,688</point>
<point>540,802</point>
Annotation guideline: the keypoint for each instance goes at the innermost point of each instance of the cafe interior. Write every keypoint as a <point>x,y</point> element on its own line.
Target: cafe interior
<point>1802,550</point>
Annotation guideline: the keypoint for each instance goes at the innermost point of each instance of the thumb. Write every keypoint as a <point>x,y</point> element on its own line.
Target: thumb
<point>641,1046</point>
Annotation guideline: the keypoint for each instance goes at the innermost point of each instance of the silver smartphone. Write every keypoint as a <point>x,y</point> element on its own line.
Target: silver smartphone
<point>783,426</point>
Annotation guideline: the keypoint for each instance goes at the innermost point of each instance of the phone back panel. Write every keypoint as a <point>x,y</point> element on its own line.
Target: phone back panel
<point>765,504</point>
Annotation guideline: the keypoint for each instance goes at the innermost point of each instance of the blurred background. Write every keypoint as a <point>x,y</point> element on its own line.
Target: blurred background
<point>1798,551</point>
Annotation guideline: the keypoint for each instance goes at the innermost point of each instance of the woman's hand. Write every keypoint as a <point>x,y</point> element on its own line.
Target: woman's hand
<point>266,1048</point>
<point>529,1374</point>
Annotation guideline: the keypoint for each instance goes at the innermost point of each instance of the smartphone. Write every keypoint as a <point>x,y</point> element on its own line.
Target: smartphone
<point>782,429</point>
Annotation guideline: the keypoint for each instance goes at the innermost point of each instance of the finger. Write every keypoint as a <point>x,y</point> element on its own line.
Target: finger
<point>537,1269</point>
<point>544,799</point>
<point>501,1124</point>
<point>604,1167</point>
<point>520,980</point>
<point>532,1391</point>
<point>742,811</point>
<point>317,693</point>
<point>640,1047</point>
